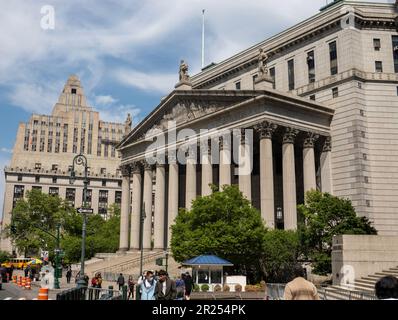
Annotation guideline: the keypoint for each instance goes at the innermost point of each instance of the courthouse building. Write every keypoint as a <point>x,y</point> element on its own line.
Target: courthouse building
<point>44,150</point>
<point>322,100</point>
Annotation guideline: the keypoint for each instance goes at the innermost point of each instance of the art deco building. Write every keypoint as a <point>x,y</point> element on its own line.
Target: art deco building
<point>324,115</point>
<point>46,145</point>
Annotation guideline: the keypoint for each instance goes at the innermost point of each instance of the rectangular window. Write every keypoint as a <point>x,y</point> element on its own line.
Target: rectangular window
<point>19,178</point>
<point>37,179</point>
<point>395,52</point>
<point>103,202</point>
<point>290,72</point>
<point>70,196</point>
<point>379,66</point>
<point>53,191</point>
<point>104,183</point>
<point>272,75</point>
<point>312,97</point>
<point>333,57</point>
<point>54,167</point>
<point>335,92</point>
<point>254,79</point>
<point>311,66</point>
<point>237,85</point>
<point>18,194</point>
<point>376,44</point>
<point>54,180</point>
<point>118,197</point>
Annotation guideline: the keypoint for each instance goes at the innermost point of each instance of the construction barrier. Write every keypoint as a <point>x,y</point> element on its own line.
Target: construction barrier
<point>43,294</point>
<point>14,279</point>
<point>27,285</point>
<point>23,283</point>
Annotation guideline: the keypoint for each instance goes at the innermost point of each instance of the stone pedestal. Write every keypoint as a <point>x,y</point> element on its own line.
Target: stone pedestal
<point>183,85</point>
<point>263,83</point>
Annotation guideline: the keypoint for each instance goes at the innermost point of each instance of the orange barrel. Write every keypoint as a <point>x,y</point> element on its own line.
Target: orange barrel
<point>23,283</point>
<point>20,281</point>
<point>14,279</point>
<point>27,285</point>
<point>43,294</point>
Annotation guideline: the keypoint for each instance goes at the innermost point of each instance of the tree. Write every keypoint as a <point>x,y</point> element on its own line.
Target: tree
<point>281,250</point>
<point>223,223</point>
<point>4,256</point>
<point>326,216</point>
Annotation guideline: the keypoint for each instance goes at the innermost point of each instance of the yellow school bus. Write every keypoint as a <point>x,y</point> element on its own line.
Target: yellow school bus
<point>18,263</point>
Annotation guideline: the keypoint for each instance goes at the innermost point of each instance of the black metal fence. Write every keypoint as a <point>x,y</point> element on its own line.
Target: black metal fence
<point>89,293</point>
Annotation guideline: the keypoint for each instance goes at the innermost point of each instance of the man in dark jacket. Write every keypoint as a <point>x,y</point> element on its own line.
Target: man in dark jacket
<point>120,281</point>
<point>165,287</point>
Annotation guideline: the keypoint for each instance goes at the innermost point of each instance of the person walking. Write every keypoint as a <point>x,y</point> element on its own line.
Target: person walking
<point>188,285</point>
<point>131,284</point>
<point>386,288</point>
<point>165,287</point>
<point>93,287</point>
<point>299,288</point>
<point>68,275</point>
<point>180,287</point>
<point>120,281</point>
<point>148,287</point>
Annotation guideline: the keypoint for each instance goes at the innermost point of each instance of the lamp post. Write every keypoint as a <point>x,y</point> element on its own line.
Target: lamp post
<point>143,216</point>
<point>279,216</point>
<point>80,159</point>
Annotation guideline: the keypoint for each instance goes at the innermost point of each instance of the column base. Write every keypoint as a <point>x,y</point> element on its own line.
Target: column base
<point>122,250</point>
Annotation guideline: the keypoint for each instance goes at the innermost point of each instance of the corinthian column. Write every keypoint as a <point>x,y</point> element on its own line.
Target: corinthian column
<point>160,192</point>
<point>266,129</point>
<point>147,199</point>
<point>190,185</point>
<point>225,161</point>
<point>289,180</point>
<point>245,166</point>
<point>326,167</point>
<point>309,162</point>
<point>173,195</point>
<point>207,168</point>
<point>136,208</point>
<point>125,209</point>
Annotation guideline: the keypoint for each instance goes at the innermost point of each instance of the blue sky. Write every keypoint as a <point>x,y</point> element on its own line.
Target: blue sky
<point>125,52</point>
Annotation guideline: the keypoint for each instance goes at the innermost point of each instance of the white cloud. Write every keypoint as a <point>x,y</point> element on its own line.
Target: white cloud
<point>6,150</point>
<point>118,113</point>
<point>155,82</point>
<point>104,100</point>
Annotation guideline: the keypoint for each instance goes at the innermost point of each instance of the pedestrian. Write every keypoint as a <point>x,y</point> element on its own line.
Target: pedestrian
<point>165,287</point>
<point>131,285</point>
<point>140,280</point>
<point>386,288</point>
<point>180,287</point>
<point>68,275</point>
<point>299,288</point>
<point>26,271</point>
<point>188,285</point>
<point>148,287</point>
<point>120,281</point>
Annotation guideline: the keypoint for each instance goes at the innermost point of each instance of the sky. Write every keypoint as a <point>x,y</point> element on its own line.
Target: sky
<point>125,52</point>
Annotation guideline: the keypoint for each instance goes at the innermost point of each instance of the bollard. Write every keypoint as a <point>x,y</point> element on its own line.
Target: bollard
<point>23,283</point>
<point>27,285</point>
<point>43,294</point>
<point>124,292</point>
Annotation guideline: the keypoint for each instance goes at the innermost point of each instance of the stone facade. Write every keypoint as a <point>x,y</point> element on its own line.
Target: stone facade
<point>330,93</point>
<point>46,145</point>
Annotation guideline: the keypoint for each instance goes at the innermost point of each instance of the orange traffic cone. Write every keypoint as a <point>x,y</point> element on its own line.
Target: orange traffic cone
<point>43,294</point>
<point>20,281</point>
<point>14,279</point>
<point>27,285</point>
<point>23,283</point>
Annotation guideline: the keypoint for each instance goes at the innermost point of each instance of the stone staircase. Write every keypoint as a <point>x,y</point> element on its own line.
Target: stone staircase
<point>362,288</point>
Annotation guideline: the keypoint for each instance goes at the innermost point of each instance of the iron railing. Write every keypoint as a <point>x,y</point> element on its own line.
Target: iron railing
<point>89,293</point>
<point>342,294</point>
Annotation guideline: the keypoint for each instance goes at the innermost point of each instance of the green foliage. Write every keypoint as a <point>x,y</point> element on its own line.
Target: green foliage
<point>281,249</point>
<point>43,211</point>
<point>196,288</point>
<point>4,256</point>
<point>223,223</point>
<point>204,288</point>
<point>326,216</point>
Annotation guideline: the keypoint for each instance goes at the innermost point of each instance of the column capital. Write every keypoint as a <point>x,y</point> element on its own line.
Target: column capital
<point>290,135</point>
<point>310,139</point>
<point>265,129</point>
<point>172,157</point>
<point>125,170</point>
<point>147,166</point>
<point>136,167</point>
<point>327,146</point>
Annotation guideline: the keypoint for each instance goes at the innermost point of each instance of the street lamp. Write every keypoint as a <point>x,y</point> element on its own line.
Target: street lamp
<point>80,159</point>
<point>279,214</point>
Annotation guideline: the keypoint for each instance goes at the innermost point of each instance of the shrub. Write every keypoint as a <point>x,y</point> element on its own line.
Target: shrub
<point>262,284</point>
<point>226,288</point>
<point>238,288</point>
<point>196,288</point>
<point>204,287</point>
<point>217,288</point>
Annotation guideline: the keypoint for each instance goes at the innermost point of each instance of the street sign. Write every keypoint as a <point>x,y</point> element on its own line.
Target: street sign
<point>85,210</point>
